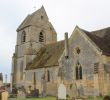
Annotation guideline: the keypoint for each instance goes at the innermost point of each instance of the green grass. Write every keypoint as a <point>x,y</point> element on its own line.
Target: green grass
<point>51,98</point>
<point>96,98</point>
<point>47,98</point>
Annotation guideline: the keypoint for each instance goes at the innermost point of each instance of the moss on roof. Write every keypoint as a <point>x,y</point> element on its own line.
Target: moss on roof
<point>47,56</point>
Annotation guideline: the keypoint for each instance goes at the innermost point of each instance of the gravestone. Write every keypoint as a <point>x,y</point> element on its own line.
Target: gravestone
<point>21,94</point>
<point>80,91</point>
<point>62,91</point>
<point>73,91</point>
<point>4,95</point>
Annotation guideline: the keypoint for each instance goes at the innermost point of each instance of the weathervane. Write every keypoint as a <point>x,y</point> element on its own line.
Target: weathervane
<point>34,5</point>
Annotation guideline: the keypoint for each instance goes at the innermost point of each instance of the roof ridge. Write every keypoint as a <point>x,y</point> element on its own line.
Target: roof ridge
<point>100,29</point>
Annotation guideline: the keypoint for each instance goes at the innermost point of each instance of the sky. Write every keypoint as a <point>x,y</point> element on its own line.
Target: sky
<point>63,14</point>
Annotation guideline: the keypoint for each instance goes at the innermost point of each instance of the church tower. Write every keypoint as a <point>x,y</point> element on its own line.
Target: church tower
<point>33,33</point>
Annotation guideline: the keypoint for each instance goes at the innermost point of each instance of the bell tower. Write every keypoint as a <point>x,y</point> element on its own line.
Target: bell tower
<point>33,33</point>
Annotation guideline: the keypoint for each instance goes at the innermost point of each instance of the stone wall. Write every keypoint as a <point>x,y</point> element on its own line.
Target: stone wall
<point>87,57</point>
<point>51,86</point>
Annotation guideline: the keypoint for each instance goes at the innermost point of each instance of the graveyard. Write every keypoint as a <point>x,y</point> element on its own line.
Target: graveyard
<point>52,98</point>
<point>47,98</point>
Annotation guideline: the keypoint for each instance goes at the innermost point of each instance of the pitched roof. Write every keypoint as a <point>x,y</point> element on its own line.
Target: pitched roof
<point>47,56</point>
<point>101,38</point>
<point>1,76</point>
<point>29,20</point>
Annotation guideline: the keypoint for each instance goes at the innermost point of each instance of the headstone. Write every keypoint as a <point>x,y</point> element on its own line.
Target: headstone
<point>4,95</point>
<point>73,92</point>
<point>81,91</point>
<point>62,91</point>
<point>35,93</point>
<point>21,94</point>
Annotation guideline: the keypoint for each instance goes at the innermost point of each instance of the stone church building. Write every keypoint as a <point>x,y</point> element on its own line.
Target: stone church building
<point>82,61</point>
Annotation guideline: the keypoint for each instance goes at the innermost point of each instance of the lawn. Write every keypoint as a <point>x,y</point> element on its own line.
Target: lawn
<point>47,98</point>
<point>98,98</point>
<point>50,98</point>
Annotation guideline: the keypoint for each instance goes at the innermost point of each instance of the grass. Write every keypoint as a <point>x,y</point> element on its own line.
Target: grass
<point>52,98</point>
<point>47,98</point>
<point>96,98</point>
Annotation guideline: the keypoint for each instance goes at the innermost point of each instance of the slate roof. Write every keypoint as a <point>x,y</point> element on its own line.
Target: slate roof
<point>1,77</point>
<point>47,56</point>
<point>101,38</point>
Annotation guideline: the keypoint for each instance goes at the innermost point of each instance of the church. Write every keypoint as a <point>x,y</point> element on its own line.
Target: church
<point>81,62</point>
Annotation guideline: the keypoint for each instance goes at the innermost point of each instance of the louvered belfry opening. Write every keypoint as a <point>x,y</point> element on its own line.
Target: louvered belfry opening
<point>41,37</point>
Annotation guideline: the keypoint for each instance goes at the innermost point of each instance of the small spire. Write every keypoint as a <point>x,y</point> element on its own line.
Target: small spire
<point>42,7</point>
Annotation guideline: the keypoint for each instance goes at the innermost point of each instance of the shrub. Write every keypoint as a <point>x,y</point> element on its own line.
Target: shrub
<point>106,97</point>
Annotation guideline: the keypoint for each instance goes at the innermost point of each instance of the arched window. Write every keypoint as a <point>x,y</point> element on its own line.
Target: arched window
<point>48,76</point>
<point>41,37</point>
<point>23,38</point>
<point>78,71</point>
<point>41,17</point>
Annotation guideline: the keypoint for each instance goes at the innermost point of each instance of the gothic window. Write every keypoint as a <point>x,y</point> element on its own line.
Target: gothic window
<point>48,76</point>
<point>21,71</point>
<point>23,37</point>
<point>96,68</point>
<point>41,17</point>
<point>41,37</point>
<point>78,71</point>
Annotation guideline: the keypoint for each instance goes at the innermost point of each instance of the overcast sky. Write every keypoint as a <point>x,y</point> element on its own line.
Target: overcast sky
<point>64,15</point>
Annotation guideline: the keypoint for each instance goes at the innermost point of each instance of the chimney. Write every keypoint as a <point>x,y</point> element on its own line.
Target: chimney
<point>66,46</point>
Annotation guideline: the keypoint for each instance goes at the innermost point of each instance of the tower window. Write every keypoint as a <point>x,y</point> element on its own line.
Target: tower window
<point>41,37</point>
<point>78,71</point>
<point>41,17</point>
<point>23,37</point>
